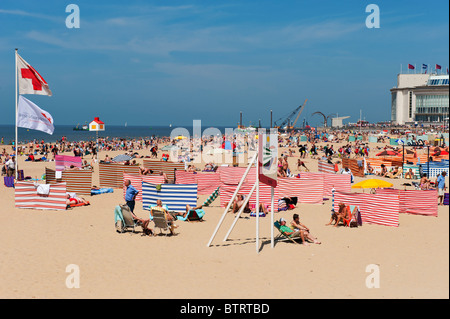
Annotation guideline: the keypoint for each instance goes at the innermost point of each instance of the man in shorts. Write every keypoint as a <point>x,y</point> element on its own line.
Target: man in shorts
<point>441,187</point>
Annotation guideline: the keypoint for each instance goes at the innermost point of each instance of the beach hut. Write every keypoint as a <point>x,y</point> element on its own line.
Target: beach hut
<point>96,125</point>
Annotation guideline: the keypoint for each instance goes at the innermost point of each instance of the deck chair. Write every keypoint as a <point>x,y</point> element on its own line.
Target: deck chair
<point>291,237</point>
<point>126,221</point>
<point>355,217</point>
<point>160,220</point>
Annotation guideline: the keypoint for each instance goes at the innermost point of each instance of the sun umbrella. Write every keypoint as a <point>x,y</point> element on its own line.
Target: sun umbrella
<point>122,158</point>
<point>180,137</point>
<point>387,153</point>
<point>373,183</point>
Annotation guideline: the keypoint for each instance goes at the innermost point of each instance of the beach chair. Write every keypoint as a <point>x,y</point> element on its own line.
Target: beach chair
<point>355,217</point>
<point>126,219</point>
<point>292,237</point>
<point>160,221</point>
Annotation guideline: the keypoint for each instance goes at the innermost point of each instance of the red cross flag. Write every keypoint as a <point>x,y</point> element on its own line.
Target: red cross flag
<point>30,81</point>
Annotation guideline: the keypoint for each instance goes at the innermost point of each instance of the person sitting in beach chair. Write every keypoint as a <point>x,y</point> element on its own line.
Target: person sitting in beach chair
<point>288,232</point>
<point>296,225</point>
<point>339,215</point>
<point>409,174</point>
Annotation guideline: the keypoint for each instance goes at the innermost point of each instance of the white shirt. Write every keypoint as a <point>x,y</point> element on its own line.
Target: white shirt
<point>10,164</point>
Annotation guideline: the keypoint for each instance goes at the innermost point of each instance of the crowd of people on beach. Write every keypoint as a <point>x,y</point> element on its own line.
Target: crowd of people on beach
<point>318,146</point>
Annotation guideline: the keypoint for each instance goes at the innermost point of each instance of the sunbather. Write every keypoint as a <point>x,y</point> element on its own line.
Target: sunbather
<point>296,225</point>
<point>238,202</point>
<point>336,215</point>
<point>70,200</point>
<point>290,232</point>
<point>409,174</point>
<point>424,182</point>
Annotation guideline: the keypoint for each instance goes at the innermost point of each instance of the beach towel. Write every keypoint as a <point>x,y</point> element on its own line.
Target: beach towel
<point>118,215</point>
<point>43,189</point>
<point>102,191</point>
<point>199,212</point>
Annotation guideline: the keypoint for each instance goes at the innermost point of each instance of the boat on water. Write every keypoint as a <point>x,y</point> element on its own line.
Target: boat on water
<point>84,127</point>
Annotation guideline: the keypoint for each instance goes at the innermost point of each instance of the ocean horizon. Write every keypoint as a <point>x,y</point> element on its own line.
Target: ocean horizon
<point>7,132</point>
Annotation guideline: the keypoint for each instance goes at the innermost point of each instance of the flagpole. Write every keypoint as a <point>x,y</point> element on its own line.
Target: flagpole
<point>16,144</point>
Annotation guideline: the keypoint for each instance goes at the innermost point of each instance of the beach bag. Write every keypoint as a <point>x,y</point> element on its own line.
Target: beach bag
<point>9,181</point>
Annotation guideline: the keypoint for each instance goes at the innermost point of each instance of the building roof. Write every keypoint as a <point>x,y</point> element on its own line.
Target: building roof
<point>97,120</point>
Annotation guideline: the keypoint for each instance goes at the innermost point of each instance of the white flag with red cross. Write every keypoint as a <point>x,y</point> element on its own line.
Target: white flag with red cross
<point>30,81</point>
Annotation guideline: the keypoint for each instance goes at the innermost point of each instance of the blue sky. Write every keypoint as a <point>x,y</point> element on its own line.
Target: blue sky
<point>169,62</point>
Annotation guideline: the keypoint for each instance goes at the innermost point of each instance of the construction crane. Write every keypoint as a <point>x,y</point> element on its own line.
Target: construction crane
<point>286,123</point>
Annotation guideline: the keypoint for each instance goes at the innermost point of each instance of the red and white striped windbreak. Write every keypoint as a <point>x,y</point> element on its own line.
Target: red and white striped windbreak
<point>26,196</point>
<point>308,191</point>
<point>419,202</point>
<point>340,182</point>
<point>325,167</point>
<point>207,182</point>
<point>380,209</point>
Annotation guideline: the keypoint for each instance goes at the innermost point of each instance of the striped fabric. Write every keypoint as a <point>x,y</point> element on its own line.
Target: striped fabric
<point>227,191</point>
<point>352,164</point>
<point>308,191</point>
<point>233,175</point>
<point>136,182</point>
<point>166,167</point>
<point>325,167</point>
<point>211,197</point>
<point>416,202</point>
<point>50,177</point>
<point>176,197</point>
<point>380,209</point>
<point>63,161</point>
<point>77,181</point>
<point>340,182</point>
<point>111,175</point>
<point>207,181</point>
<point>26,196</point>
<point>414,168</point>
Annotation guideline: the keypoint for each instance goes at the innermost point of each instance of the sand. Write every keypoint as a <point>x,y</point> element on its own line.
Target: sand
<point>38,246</point>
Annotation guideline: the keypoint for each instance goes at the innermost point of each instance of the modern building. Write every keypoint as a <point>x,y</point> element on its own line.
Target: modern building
<point>422,98</point>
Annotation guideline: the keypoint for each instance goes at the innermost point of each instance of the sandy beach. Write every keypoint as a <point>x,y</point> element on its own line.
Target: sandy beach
<point>38,246</point>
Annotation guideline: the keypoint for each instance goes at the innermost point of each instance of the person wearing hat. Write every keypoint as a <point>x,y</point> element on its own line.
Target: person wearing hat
<point>291,233</point>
